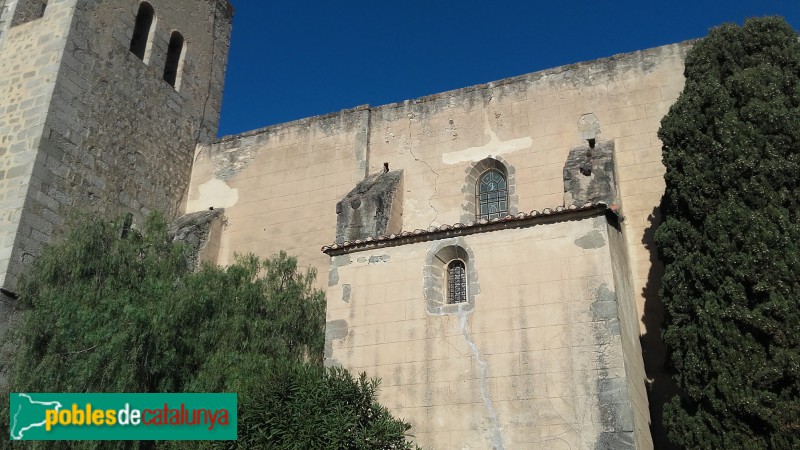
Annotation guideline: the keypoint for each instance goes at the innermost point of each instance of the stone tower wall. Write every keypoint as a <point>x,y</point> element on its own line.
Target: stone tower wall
<point>113,136</point>
<point>282,184</point>
<point>30,58</point>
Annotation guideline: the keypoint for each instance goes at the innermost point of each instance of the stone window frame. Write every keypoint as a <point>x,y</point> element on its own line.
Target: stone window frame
<point>469,209</point>
<point>435,282</point>
<point>142,39</point>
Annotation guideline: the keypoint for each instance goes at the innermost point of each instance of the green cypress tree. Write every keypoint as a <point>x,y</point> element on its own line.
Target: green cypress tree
<point>730,240</point>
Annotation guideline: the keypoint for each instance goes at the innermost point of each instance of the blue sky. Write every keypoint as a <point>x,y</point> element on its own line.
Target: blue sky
<point>295,59</point>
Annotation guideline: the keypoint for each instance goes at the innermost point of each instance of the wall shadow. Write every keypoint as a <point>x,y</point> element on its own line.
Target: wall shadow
<point>661,387</point>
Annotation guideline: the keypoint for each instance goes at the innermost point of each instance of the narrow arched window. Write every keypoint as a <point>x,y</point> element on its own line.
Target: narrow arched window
<point>449,279</point>
<point>141,31</point>
<point>456,282</point>
<point>174,51</point>
<point>492,195</point>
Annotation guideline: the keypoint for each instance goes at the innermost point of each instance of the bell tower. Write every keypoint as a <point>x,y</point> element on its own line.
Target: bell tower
<point>101,106</point>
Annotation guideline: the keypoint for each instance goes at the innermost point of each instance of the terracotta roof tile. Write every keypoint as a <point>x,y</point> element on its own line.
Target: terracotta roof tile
<point>465,228</point>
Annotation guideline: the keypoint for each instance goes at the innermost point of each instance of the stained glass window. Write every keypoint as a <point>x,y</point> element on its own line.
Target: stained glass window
<point>492,195</point>
<point>456,282</point>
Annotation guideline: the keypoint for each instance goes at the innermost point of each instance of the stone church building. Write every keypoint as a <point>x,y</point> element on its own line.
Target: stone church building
<point>487,252</point>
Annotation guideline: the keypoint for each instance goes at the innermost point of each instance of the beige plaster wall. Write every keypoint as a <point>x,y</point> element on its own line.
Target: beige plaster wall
<point>530,122</point>
<point>279,186</point>
<point>524,369</point>
<point>631,345</point>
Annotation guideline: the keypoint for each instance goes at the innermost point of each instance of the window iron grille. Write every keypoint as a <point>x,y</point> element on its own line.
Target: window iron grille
<point>456,282</point>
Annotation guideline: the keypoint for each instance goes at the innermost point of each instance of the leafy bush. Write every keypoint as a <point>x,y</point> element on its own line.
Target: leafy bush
<point>309,407</point>
<point>110,314</point>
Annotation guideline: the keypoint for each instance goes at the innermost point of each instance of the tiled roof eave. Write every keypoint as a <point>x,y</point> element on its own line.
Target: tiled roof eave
<point>521,220</point>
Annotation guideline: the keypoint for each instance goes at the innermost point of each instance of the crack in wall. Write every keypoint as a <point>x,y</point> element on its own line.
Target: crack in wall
<point>496,436</point>
<point>435,180</point>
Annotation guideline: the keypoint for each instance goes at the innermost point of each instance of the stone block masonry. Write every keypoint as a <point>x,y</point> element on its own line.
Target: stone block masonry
<point>26,89</point>
<point>90,127</point>
<point>369,208</point>
<point>28,10</point>
<point>589,175</point>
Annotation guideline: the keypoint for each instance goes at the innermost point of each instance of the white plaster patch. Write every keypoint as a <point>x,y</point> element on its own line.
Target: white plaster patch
<point>424,214</point>
<point>494,147</point>
<point>213,192</point>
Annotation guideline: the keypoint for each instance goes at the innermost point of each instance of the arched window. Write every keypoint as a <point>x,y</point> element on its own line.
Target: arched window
<point>456,282</point>
<point>141,31</point>
<point>492,195</point>
<point>174,52</point>
<point>489,190</point>
<point>450,281</point>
